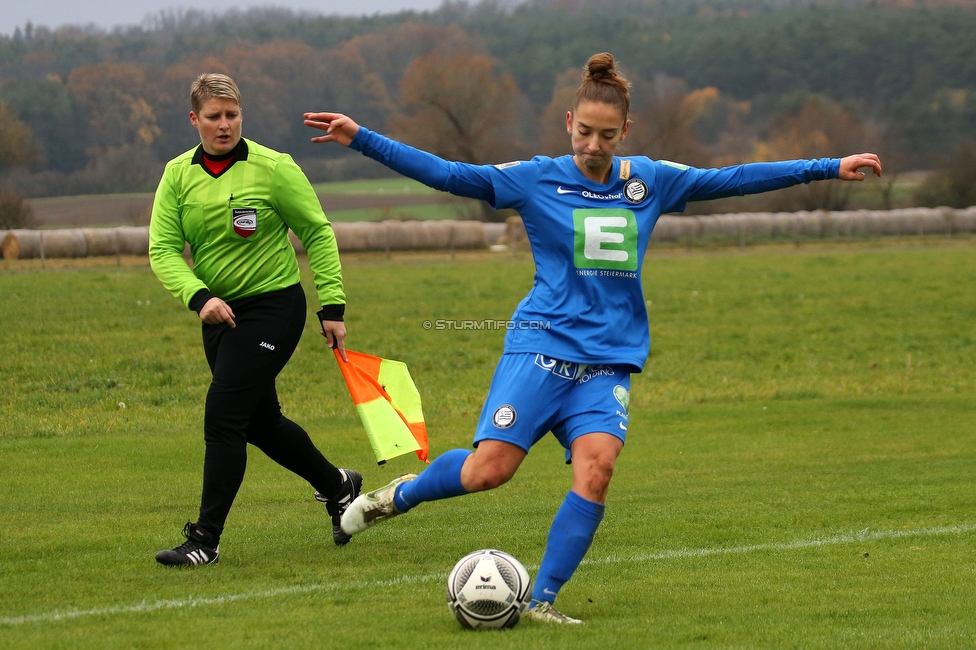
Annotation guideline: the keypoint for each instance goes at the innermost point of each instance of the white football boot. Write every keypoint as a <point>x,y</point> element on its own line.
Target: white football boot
<point>367,509</point>
<point>544,611</point>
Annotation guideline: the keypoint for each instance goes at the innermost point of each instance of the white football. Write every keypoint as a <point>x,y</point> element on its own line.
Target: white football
<point>488,590</point>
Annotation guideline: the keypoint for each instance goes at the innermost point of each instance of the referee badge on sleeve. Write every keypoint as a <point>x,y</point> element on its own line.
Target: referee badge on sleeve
<point>245,221</point>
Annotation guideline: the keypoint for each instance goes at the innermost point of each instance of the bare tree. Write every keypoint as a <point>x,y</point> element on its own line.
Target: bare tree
<point>459,107</point>
<point>817,128</point>
<point>663,124</point>
<point>555,139</point>
<point>365,72</point>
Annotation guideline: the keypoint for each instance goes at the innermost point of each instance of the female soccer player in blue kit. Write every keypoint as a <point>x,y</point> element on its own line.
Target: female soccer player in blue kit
<point>588,218</point>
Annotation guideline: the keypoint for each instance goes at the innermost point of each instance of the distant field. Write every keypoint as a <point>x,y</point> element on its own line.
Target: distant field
<point>399,185</point>
<point>799,468</point>
<point>92,210</point>
<point>346,201</point>
<point>404,212</point>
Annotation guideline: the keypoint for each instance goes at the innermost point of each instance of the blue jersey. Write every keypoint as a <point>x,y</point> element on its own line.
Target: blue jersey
<point>588,239</point>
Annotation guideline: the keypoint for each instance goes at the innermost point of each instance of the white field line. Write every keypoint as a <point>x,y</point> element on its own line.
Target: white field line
<point>846,538</point>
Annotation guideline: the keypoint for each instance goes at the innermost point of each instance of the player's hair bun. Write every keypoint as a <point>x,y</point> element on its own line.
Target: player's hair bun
<point>601,67</point>
<point>602,82</point>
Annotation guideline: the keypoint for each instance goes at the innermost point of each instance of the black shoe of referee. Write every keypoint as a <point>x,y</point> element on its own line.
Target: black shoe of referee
<point>200,548</point>
<point>352,482</point>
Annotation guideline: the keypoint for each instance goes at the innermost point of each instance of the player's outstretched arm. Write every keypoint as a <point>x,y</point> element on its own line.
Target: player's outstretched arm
<point>338,127</point>
<point>460,179</point>
<point>850,165</point>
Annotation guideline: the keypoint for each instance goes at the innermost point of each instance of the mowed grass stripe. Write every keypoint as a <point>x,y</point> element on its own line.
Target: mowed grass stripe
<point>142,608</point>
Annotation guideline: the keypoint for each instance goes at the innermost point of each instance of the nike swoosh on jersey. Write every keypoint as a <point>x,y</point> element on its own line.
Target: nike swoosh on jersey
<point>560,190</point>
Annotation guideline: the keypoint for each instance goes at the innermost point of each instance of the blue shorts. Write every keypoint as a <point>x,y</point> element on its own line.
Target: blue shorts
<point>531,395</point>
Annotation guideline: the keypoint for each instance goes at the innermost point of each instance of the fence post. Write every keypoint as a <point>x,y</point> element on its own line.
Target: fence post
<point>450,240</point>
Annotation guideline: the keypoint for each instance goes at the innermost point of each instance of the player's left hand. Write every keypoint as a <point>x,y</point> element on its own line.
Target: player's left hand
<point>850,165</point>
<point>334,332</point>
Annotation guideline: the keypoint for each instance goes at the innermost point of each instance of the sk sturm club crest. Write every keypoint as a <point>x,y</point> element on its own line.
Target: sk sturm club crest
<point>635,190</point>
<point>245,221</point>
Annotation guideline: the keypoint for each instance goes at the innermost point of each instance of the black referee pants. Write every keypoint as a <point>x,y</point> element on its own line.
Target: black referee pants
<point>242,403</point>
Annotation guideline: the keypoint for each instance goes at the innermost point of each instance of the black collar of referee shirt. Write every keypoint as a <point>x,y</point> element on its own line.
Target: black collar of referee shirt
<point>237,153</point>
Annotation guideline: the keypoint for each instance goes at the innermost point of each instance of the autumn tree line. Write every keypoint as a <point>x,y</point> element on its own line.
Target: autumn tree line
<point>715,83</point>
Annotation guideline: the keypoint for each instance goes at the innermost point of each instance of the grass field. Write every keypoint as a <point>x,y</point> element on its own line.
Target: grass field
<point>799,472</point>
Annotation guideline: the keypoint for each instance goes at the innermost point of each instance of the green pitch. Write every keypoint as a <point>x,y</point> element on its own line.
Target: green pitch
<point>800,468</point>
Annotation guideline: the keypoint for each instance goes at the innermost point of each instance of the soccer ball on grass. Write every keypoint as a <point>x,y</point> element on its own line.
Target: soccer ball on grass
<point>488,590</point>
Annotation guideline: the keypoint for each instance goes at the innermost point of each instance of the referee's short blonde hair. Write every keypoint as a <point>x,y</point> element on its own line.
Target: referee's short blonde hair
<point>210,85</point>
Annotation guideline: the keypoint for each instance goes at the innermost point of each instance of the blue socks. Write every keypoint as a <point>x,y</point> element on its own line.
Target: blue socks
<point>439,481</point>
<point>569,539</point>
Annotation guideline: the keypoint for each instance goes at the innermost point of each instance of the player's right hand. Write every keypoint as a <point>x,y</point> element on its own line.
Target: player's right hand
<point>338,127</point>
<point>217,311</point>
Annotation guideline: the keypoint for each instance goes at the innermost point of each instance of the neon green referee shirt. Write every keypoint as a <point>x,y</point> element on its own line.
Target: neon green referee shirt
<point>237,227</point>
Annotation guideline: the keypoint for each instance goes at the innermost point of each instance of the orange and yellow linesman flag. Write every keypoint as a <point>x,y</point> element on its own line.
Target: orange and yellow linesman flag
<point>388,403</point>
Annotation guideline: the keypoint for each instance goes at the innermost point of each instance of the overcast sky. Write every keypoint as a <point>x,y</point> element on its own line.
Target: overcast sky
<point>109,13</point>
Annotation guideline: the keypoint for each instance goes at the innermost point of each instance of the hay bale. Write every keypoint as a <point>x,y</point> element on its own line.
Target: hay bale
<point>101,242</point>
<point>678,228</point>
<point>759,225</point>
<point>397,237</point>
<point>811,223</point>
<point>64,243</point>
<point>376,236</point>
<point>898,222</point>
<point>948,218</point>
<point>350,236</point>
<point>903,222</point>
<point>470,234</point>
<point>415,233</point>
<point>966,219</point>
<point>859,222</point>
<point>29,244</point>
<point>875,223</point>
<point>865,220</point>
<point>709,227</point>
<point>494,232</point>
<point>730,226</point>
<point>21,245</point>
<point>133,240</point>
<point>665,229</point>
<point>782,224</point>
<point>832,223</point>
<point>515,232</point>
<point>437,234</point>
<point>918,221</point>
<point>837,223</point>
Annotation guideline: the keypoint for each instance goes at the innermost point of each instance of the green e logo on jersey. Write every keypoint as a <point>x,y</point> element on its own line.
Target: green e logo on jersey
<point>606,238</point>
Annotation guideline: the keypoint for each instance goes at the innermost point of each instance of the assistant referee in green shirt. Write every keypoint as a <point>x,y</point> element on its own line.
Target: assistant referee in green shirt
<point>233,201</point>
